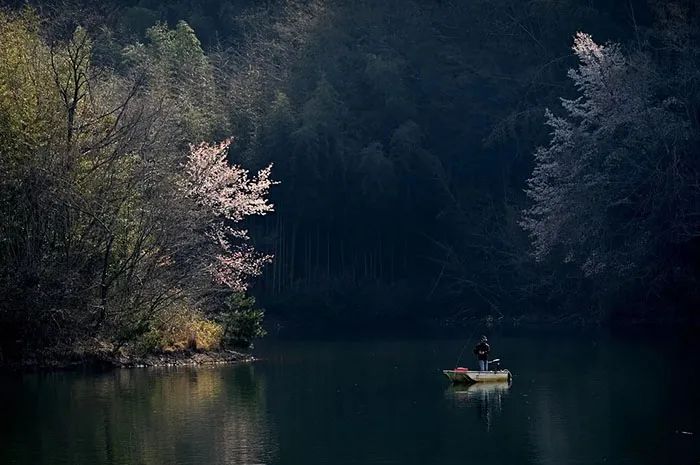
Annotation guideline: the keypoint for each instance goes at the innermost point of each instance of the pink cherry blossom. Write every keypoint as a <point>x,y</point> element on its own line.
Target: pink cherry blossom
<point>228,194</point>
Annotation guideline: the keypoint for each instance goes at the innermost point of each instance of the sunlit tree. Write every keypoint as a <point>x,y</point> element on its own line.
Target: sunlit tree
<point>228,195</point>
<point>614,190</point>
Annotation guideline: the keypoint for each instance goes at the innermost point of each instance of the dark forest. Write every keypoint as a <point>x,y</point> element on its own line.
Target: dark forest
<point>168,169</point>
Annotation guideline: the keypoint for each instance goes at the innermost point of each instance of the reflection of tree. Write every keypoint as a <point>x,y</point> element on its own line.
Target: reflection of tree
<point>552,434</point>
<point>155,416</point>
<point>245,437</point>
<point>571,416</point>
<point>487,397</point>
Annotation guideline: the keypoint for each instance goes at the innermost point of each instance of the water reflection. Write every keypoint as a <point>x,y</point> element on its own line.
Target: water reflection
<point>486,398</point>
<point>574,401</point>
<point>152,416</point>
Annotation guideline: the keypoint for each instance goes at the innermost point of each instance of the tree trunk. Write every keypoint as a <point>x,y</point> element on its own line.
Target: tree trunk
<point>104,287</point>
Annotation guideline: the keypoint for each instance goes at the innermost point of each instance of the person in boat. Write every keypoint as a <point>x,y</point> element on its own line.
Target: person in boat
<point>481,350</point>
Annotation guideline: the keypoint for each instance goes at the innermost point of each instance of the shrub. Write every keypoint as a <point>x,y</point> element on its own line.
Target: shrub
<point>183,329</point>
<point>242,321</point>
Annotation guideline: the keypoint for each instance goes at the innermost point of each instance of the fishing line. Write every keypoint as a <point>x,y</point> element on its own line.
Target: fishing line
<point>466,344</point>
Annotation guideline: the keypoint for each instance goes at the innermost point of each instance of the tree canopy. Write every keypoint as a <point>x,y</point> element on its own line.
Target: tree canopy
<point>437,160</point>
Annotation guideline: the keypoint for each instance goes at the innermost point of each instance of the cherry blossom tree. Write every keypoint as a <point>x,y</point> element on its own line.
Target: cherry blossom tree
<point>227,194</point>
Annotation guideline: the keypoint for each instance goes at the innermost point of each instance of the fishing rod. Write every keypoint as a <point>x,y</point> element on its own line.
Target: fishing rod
<point>466,344</point>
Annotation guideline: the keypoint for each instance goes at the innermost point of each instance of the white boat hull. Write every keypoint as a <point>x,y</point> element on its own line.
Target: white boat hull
<point>470,377</point>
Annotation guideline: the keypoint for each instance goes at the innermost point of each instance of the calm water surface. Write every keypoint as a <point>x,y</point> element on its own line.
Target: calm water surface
<point>572,401</point>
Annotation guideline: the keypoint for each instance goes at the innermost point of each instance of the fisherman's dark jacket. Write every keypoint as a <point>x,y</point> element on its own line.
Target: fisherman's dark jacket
<point>482,350</point>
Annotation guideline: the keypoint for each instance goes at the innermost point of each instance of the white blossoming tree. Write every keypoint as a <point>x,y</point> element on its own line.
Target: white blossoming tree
<point>614,190</point>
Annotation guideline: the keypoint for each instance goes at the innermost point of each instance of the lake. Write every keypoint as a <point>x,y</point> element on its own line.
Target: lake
<point>573,400</point>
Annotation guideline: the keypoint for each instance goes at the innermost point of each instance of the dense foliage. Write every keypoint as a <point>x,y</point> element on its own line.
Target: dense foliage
<point>110,230</point>
<point>616,190</point>
<point>405,135</point>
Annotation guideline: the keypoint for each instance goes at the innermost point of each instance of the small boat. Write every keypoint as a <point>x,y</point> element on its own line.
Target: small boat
<point>464,376</point>
<point>461,375</point>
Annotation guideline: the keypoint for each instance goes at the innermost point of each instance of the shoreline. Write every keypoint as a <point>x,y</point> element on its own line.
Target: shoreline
<point>110,361</point>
